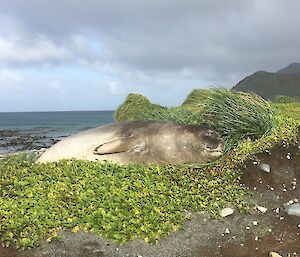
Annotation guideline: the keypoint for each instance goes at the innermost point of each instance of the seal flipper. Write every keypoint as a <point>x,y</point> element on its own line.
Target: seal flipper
<point>119,145</point>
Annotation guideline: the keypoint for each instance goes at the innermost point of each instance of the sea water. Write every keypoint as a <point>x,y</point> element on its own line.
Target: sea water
<point>31,130</point>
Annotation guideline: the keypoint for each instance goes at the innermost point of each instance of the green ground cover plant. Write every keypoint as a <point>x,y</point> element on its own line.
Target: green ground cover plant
<point>291,110</point>
<point>128,202</point>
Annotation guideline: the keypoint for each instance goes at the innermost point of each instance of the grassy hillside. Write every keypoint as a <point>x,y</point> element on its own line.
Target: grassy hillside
<point>135,201</point>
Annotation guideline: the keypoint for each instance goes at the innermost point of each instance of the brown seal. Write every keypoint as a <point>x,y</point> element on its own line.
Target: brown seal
<point>140,142</point>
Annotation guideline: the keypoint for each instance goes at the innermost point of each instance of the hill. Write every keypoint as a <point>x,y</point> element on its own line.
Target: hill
<point>290,69</point>
<point>269,84</point>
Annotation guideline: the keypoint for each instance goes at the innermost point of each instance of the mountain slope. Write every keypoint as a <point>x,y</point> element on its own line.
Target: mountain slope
<point>290,69</point>
<point>269,85</point>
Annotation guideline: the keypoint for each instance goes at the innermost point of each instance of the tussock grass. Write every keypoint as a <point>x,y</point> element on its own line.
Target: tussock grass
<point>235,115</point>
<point>135,107</point>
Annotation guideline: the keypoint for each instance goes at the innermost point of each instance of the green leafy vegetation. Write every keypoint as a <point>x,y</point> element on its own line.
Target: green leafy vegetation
<point>116,202</point>
<point>135,201</point>
<point>284,99</point>
<point>291,110</point>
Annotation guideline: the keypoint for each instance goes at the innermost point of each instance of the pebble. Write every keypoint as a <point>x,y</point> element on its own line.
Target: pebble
<point>288,156</point>
<point>227,231</point>
<point>226,212</point>
<point>274,254</point>
<point>265,167</point>
<point>262,209</point>
<point>254,223</point>
<point>293,209</point>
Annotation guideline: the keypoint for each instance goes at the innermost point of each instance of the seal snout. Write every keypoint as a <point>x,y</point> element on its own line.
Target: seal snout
<point>214,143</point>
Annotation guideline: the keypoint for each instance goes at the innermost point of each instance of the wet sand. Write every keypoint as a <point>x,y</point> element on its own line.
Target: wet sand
<point>235,235</point>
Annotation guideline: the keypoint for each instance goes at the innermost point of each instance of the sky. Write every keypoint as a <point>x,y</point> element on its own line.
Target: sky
<point>88,55</point>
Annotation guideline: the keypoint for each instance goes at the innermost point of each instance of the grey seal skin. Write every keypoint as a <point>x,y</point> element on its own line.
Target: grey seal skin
<point>143,142</point>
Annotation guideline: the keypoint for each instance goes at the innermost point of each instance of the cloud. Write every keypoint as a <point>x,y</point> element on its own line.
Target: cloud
<point>150,47</point>
<point>14,51</point>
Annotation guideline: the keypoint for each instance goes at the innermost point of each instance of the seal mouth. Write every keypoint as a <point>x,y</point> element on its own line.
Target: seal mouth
<point>215,152</point>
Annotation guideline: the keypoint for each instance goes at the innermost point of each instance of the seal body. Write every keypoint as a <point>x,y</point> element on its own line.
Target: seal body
<point>142,142</point>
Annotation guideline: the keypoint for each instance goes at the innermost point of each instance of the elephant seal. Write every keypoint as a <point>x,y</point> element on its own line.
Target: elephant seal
<point>143,142</point>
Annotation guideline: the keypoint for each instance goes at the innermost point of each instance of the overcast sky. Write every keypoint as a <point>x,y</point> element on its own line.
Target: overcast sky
<point>88,55</point>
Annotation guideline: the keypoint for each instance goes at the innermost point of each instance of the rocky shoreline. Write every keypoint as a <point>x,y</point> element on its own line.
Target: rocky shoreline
<point>15,140</point>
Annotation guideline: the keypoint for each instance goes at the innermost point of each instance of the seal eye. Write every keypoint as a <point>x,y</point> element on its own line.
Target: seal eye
<point>207,133</point>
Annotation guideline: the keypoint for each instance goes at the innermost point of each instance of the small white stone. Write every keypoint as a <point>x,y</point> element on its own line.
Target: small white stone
<point>227,231</point>
<point>293,209</point>
<point>262,209</point>
<point>254,223</point>
<point>298,225</point>
<point>294,187</point>
<point>254,163</point>
<point>272,188</point>
<point>265,167</point>
<point>274,254</point>
<point>247,228</point>
<point>288,156</point>
<point>286,205</point>
<point>281,218</point>
<point>291,202</point>
<point>226,212</point>
<point>256,238</point>
<point>284,190</point>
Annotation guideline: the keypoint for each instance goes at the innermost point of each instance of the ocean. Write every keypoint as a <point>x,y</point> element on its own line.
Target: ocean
<point>20,131</point>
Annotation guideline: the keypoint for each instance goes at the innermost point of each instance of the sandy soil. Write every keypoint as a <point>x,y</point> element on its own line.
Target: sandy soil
<point>240,235</point>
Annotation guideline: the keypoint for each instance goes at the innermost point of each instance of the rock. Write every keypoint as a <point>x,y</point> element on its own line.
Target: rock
<point>262,209</point>
<point>265,167</point>
<point>227,231</point>
<point>293,209</point>
<point>274,254</point>
<point>226,212</point>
